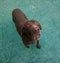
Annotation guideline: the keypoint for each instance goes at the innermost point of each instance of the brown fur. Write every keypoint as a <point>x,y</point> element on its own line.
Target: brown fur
<point>23,29</point>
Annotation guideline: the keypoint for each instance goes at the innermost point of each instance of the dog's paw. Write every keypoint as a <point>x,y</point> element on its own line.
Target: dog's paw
<point>38,46</point>
<point>28,46</point>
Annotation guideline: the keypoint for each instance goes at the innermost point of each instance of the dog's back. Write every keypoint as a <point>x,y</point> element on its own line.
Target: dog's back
<point>19,19</point>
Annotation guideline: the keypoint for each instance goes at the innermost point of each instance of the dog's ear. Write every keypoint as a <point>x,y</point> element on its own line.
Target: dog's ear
<point>37,23</point>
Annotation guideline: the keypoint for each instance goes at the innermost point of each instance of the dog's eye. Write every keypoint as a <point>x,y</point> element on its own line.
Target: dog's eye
<point>35,30</point>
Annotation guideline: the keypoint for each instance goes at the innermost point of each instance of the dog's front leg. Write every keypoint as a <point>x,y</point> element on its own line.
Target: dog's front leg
<point>38,45</point>
<point>26,43</point>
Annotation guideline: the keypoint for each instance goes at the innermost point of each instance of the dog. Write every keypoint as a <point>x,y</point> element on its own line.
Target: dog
<point>29,30</point>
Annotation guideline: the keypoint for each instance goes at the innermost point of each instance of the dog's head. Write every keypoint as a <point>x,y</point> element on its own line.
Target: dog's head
<point>32,30</point>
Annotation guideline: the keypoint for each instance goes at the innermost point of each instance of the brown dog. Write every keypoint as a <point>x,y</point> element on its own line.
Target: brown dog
<point>29,30</point>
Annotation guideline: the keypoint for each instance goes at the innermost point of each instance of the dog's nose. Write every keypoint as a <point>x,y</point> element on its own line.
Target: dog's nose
<point>36,31</point>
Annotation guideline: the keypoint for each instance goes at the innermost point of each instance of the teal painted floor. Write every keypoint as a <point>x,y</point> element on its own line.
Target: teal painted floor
<point>12,50</point>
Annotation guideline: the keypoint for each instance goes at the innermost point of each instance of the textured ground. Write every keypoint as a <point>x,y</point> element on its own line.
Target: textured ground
<point>12,50</point>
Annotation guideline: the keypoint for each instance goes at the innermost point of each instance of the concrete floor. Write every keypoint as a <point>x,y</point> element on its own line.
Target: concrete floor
<point>12,50</point>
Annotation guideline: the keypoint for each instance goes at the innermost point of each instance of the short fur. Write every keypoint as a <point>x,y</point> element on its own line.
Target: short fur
<point>23,28</point>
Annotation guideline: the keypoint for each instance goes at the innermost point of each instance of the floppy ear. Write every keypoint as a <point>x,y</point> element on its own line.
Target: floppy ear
<point>37,23</point>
